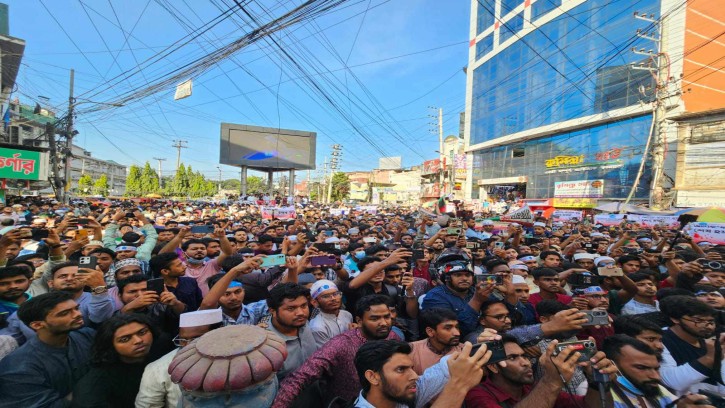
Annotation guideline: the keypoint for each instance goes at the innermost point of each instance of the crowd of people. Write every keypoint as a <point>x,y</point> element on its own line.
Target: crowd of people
<point>109,305</point>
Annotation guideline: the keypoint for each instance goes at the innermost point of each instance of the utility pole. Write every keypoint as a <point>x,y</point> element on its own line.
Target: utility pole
<point>56,180</point>
<point>440,148</point>
<point>321,184</point>
<point>656,192</point>
<point>69,141</point>
<point>178,145</point>
<point>160,159</point>
<point>334,165</point>
<point>220,177</point>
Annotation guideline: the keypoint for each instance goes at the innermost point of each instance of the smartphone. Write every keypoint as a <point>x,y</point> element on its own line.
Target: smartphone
<point>393,246</point>
<point>498,245</point>
<point>323,260</point>
<point>587,348</point>
<point>274,260</point>
<point>130,214</point>
<point>292,238</point>
<point>610,271</point>
<point>596,318</point>
<point>324,247</point>
<point>473,245</point>
<point>370,240</point>
<point>328,233</point>
<point>498,353</point>
<point>713,265</point>
<point>38,234</point>
<point>88,262</point>
<point>81,234</point>
<point>202,229</point>
<point>83,221</point>
<point>453,231</point>
<point>488,278</point>
<point>157,285</point>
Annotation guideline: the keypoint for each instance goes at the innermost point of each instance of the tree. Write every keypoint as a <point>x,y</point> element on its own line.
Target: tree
<point>256,185</point>
<point>231,184</point>
<point>340,186</point>
<point>180,185</point>
<point>149,180</point>
<point>133,181</point>
<point>101,187</point>
<point>85,183</point>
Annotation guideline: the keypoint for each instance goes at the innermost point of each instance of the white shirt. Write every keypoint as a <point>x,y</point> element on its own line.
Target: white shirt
<point>326,326</point>
<point>157,390</point>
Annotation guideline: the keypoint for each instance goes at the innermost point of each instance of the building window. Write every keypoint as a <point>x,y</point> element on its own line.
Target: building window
<point>484,46</point>
<point>507,6</point>
<point>541,7</point>
<point>517,152</point>
<point>511,27</point>
<point>484,15</point>
<point>14,135</point>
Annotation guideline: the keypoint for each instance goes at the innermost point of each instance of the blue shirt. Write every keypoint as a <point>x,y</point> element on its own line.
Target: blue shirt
<point>38,375</point>
<point>188,292</point>
<point>10,307</point>
<point>442,297</point>
<point>250,314</point>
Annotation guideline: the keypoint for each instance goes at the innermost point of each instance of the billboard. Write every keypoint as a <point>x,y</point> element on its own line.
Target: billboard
<point>390,163</point>
<point>266,149</point>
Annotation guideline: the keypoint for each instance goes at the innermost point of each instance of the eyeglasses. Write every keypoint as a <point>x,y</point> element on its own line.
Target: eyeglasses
<point>500,318</point>
<point>700,323</point>
<point>329,296</point>
<point>181,342</point>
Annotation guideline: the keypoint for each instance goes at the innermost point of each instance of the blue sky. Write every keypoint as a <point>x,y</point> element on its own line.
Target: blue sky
<point>374,37</point>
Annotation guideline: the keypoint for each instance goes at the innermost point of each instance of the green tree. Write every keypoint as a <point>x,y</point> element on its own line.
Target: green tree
<point>256,185</point>
<point>133,181</point>
<point>85,184</point>
<point>101,187</point>
<point>231,184</point>
<point>149,180</point>
<point>340,186</point>
<point>180,185</point>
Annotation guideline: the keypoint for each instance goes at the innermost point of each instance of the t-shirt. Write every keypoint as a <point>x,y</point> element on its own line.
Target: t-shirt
<point>536,298</point>
<point>188,292</point>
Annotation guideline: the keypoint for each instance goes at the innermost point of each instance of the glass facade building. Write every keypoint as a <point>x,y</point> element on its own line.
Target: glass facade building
<point>543,62</point>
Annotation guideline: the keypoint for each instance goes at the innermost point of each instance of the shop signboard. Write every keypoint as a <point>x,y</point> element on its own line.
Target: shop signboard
<point>22,164</point>
<point>431,166</point>
<point>579,189</point>
<point>573,202</point>
<point>522,216</point>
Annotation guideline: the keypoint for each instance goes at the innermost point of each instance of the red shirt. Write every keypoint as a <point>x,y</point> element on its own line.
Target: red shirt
<point>536,298</point>
<point>487,395</point>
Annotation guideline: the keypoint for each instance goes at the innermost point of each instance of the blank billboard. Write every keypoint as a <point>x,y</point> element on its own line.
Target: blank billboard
<point>267,148</point>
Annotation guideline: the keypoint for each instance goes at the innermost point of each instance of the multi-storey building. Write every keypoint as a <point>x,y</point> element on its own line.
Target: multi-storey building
<point>556,107</point>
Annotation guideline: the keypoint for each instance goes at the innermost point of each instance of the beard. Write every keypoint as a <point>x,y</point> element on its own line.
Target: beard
<point>650,389</point>
<point>695,333</point>
<point>375,335</point>
<point>392,393</point>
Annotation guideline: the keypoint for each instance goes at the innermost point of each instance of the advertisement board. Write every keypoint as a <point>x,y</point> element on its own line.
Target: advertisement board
<point>579,189</point>
<point>711,232</point>
<point>267,148</point>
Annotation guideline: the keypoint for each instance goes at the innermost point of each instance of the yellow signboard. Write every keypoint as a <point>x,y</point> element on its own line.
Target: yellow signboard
<point>559,161</point>
<point>574,202</point>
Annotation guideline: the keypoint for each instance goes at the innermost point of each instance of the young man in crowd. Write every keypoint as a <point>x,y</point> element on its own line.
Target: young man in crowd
<point>169,267</point>
<point>645,300</point>
<point>334,361</point>
<point>44,371</point>
<point>331,320</point>
<point>549,283</point>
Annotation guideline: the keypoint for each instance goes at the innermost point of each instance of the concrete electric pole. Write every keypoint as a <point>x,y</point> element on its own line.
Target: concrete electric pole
<point>69,141</point>
<point>161,177</point>
<point>178,145</point>
<point>334,165</point>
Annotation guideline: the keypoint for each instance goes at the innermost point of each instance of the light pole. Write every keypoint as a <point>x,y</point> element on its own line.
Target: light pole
<point>220,178</point>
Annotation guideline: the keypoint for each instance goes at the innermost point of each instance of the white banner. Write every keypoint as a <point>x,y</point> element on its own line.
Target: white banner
<point>280,213</point>
<point>649,221</point>
<point>609,220</point>
<point>566,215</point>
<point>522,216</point>
<point>706,231</point>
<point>579,188</point>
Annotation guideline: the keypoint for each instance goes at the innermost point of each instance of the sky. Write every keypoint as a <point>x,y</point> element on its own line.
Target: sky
<point>365,74</point>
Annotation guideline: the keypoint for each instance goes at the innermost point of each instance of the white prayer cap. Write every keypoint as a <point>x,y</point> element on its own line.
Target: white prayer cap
<point>200,318</point>
<point>321,286</point>
<point>584,255</point>
<point>517,279</point>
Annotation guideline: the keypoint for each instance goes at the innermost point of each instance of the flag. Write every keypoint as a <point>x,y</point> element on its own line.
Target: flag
<point>6,119</point>
<point>441,206</point>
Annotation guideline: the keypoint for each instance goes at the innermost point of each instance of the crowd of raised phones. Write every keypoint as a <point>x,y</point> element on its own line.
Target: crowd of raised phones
<point>190,304</point>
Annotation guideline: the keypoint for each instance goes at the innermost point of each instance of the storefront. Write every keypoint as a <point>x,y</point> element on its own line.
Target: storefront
<point>574,169</point>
